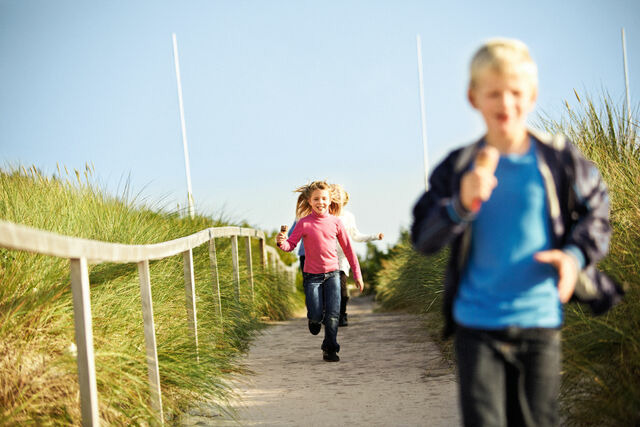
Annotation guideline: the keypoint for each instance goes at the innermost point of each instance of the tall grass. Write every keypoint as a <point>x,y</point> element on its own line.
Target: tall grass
<point>601,370</point>
<point>38,373</point>
<point>601,381</point>
<point>411,282</point>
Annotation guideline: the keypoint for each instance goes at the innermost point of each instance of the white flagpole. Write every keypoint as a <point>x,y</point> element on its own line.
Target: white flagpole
<point>422,115</point>
<point>626,76</point>
<point>184,126</point>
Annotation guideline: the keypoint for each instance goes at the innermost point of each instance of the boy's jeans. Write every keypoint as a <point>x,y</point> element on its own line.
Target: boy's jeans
<point>322,293</point>
<point>509,377</point>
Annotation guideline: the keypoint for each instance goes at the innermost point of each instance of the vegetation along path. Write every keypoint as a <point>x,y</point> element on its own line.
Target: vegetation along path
<point>390,373</point>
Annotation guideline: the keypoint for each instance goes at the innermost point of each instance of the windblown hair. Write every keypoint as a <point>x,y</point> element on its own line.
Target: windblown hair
<point>504,56</point>
<point>303,208</point>
<point>339,199</point>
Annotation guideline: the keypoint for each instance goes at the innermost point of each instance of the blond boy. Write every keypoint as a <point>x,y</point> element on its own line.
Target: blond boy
<point>521,231</point>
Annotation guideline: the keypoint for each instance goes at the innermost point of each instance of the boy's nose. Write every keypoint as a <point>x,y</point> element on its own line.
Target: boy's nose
<point>507,99</point>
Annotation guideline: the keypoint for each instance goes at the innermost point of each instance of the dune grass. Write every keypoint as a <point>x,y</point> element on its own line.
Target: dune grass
<point>601,369</point>
<point>601,378</point>
<point>38,372</point>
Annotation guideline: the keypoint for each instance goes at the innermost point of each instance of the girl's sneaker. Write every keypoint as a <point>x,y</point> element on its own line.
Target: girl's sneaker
<point>330,356</point>
<point>314,327</point>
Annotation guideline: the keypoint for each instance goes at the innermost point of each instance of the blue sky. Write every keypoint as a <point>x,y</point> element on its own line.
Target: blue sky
<point>278,93</point>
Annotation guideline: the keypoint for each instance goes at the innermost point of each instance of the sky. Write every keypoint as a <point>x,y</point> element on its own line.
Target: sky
<point>279,93</point>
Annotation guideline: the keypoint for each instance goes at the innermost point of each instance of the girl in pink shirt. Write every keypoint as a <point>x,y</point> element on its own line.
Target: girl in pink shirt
<point>320,230</point>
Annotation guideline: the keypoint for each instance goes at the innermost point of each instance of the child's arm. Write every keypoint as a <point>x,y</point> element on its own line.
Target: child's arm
<point>592,230</point>
<point>289,244</point>
<point>438,216</point>
<point>350,253</point>
<point>357,236</point>
<point>292,227</point>
<point>588,238</point>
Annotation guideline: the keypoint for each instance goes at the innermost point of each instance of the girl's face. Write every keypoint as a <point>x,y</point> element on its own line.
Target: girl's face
<point>320,201</point>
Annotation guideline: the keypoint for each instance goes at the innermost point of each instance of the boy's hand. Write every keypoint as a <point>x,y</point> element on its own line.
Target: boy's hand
<point>360,285</point>
<point>380,236</point>
<point>567,268</point>
<point>478,184</point>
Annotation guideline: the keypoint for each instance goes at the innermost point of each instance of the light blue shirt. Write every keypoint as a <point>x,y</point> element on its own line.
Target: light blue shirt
<point>502,285</point>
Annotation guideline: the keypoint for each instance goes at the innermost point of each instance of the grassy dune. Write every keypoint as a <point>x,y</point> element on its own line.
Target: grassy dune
<point>601,371</point>
<point>38,378</point>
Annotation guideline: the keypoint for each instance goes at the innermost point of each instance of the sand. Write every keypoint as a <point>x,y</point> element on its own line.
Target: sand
<point>389,374</point>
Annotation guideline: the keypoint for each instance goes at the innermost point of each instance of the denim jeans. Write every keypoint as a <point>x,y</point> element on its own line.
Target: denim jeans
<point>509,377</point>
<point>322,296</point>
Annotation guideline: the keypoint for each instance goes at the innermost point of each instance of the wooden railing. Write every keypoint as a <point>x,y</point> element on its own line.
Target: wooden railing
<point>81,252</point>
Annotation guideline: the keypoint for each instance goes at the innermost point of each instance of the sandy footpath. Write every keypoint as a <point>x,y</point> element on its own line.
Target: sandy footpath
<point>389,374</point>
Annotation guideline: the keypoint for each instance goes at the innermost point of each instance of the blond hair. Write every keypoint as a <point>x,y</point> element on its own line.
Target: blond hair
<point>504,56</point>
<point>303,208</point>
<point>339,199</point>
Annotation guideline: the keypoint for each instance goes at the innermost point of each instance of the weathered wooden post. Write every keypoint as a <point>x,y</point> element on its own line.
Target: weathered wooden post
<point>150,339</point>
<point>213,261</point>
<point>190,293</point>
<point>84,342</point>
<point>247,248</point>
<point>236,266</point>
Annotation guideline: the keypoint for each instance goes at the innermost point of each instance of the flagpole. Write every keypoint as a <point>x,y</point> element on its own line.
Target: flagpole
<point>184,127</point>
<point>626,76</point>
<point>422,115</point>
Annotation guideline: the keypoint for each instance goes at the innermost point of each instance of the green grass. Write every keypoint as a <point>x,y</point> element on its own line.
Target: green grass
<point>601,369</point>
<point>412,282</point>
<point>601,381</point>
<point>38,372</point>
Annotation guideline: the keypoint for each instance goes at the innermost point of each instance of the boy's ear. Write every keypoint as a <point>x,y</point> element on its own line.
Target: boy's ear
<point>471,98</point>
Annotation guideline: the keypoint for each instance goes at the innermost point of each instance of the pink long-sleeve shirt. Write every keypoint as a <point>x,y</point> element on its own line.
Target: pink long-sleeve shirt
<point>320,233</point>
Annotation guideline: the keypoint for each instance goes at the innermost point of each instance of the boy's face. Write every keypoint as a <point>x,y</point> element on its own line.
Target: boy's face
<point>504,100</point>
<point>320,201</point>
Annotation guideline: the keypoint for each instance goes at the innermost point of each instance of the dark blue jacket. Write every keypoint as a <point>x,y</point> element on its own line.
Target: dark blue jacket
<point>578,205</point>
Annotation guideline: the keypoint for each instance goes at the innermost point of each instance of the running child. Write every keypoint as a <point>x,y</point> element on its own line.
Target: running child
<point>525,215</point>
<point>340,198</point>
<point>321,281</point>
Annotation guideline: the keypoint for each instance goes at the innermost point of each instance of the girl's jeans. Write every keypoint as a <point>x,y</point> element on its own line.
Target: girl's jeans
<point>322,294</point>
<point>509,377</point>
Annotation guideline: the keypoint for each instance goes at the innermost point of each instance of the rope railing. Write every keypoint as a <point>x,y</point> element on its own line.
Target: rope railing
<point>81,252</point>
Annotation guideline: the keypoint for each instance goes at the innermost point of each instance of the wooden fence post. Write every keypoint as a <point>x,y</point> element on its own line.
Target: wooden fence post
<point>213,261</point>
<point>77,250</point>
<point>190,293</point>
<point>84,342</point>
<point>150,339</point>
<point>236,267</point>
<point>247,248</point>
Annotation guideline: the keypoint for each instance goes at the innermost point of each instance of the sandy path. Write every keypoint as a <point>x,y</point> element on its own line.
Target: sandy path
<point>389,374</point>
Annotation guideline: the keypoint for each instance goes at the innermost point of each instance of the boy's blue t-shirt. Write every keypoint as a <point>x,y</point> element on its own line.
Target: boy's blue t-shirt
<point>502,284</point>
